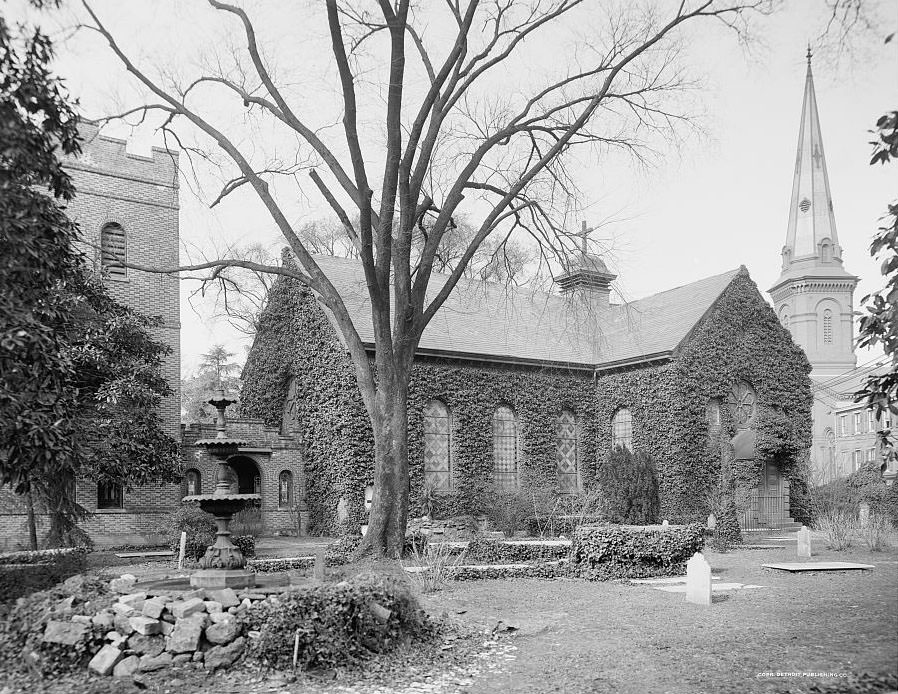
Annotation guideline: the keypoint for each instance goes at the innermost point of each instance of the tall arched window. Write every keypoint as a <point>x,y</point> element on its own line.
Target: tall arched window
<point>622,429</point>
<point>713,414</point>
<point>505,448</point>
<point>567,454</point>
<point>285,489</point>
<point>192,483</point>
<point>826,250</point>
<point>827,327</point>
<point>437,449</point>
<point>113,249</point>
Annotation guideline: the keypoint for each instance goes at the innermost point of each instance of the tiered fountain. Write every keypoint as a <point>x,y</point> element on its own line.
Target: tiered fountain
<point>223,565</point>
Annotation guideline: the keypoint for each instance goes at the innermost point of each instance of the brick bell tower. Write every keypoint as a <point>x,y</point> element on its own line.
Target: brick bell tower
<point>814,295</point>
<point>127,205</point>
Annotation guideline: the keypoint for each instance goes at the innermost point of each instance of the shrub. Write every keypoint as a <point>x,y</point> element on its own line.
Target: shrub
<point>630,487</point>
<point>280,564</point>
<point>617,551</point>
<point>336,624</point>
<point>248,521</point>
<point>199,526</point>
<point>838,526</point>
<point>437,562</point>
<point>415,542</point>
<point>875,533</point>
<point>508,509</point>
<point>246,544</point>
<point>23,627</point>
<point>487,551</point>
<point>340,552</point>
<point>23,573</point>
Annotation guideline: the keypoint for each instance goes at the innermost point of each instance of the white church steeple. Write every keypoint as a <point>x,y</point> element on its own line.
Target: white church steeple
<point>814,294</point>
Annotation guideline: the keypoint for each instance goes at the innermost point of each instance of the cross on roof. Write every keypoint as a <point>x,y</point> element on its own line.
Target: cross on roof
<point>584,234</point>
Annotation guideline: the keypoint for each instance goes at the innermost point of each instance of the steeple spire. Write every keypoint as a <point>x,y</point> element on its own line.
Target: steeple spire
<point>811,231</point>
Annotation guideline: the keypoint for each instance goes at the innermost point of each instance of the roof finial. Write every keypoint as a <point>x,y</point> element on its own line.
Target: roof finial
<point>809,54</point>
<point>584,234</point>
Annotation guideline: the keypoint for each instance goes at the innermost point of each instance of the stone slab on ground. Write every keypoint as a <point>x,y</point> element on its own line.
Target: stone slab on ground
<point>66,633</point>
<point>759,547</point>
<point>665,580</point>
<point>715,587</point>
<point>797,566</point>
<point>160,553</point>
<point>105,659</point>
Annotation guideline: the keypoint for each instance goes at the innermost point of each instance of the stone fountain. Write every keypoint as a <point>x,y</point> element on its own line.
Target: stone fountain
<point>223,565</point>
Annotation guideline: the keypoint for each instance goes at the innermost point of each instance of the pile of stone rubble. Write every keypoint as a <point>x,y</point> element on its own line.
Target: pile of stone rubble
<point>153,630</point>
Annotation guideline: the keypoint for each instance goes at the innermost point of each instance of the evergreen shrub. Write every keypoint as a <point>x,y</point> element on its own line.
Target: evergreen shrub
<point>620,551</point>
<point>337,624</point>
<point>340,552</point>
<point>200,529</point>
<point>630,486</point>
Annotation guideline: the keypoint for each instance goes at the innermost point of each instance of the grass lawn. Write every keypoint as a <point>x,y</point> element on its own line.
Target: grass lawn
<point>607,637</point>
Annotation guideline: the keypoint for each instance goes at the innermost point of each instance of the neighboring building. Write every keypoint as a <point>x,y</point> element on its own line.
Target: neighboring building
<point>519,389</point>
<point>814,299</point>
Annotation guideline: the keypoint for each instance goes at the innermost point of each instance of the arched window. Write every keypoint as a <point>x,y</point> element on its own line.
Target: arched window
<point>827,327</point>
<point>285,489</point>
<point>192,483</point>
<point>784,316</point>
<point>109,495</point>
<point>567,454</point>
<point>437,449</point>
<point>505,448</point>
<point>622,429</point>
<point>113,249</point>
<point>826,250</point>
<point>713,414</point>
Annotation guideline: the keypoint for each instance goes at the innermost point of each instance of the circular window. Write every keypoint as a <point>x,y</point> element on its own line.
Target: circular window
<point>743,404</point>
<point>804,205</point>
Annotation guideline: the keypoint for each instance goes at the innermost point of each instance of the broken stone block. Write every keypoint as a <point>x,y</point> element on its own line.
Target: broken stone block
<point>185,637</point>
<point>105,659</point>
<point>135,600</point>
<point>126,667</point>
<point>219,617</point>
<point>226,596</point>
<point>198,594</point>
<point>212,606</point>
<point>181,658</point>
<point>122,609</point>
<point>103,619</point>
<point>167,628</point>
<point>232,610</point>
<point>145,625</point>
<point>181,609</point>
<point>223,656</point>
<point>197,657</point>
<point>67,633</point>
<point>222,633</point>
<point>124,584</point>
<point>154,607</point>
<point>245,604</point>
<point>151,663</point>
<point>146,645</point>
<point>123,625</point>
<point>82,619</point>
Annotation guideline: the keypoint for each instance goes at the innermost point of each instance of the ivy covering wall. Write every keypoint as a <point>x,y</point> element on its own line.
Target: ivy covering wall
<point>739,339</point>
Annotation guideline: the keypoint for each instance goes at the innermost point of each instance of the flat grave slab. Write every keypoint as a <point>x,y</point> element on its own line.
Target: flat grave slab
<point>797,566</point>
<point>747,546</point>
<point>715,587</point>
<point>133,555</point>
<point>664,580</point>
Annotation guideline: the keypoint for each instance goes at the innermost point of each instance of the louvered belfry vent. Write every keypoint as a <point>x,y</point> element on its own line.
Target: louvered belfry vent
<point>112,247</point>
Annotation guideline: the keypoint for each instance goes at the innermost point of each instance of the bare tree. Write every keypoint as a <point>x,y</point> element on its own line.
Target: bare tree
<point>446,142</point>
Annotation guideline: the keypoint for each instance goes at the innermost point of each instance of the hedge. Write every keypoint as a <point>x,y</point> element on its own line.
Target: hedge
<point>23,573</point>
<point>621,551</point>
<point>496,551</point>
<point>297,356</point>
<point>337,624</point>
<point>267,566</point>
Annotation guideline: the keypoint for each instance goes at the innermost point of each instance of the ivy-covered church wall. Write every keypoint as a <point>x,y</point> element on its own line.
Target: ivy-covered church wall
<point>741,339</point>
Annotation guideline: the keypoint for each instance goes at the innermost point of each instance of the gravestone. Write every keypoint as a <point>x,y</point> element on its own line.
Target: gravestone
<point>804,542</point>
<point>712,521</point>
<point>863,513</point>
<point>698,580</point>
<point>664,523</point>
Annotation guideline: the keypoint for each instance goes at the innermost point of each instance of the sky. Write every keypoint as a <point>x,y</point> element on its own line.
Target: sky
<point>712,199</point>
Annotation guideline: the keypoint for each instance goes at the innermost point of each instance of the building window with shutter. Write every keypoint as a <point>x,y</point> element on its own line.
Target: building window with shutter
<point>858,423</point>
<point>113,249</point>
<point>437,448</point>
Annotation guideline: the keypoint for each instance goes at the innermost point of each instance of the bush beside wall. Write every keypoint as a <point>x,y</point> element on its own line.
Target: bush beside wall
<point>23,573</point>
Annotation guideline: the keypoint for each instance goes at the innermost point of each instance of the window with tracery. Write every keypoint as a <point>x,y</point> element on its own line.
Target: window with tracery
<point>567,452</point>
<point>743,402</point>
<point>437,446</point>
<point>285,489</point>
<point>622,429</point>
<point>827,327</point>
<point>505,448</point>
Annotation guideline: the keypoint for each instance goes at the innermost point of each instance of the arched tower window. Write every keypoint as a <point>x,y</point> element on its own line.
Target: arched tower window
<point>192,483</point>
<point>285,489</point>
<point>827,327</point>
<point>826,250</point>
<point>113,247</point>
<point>622,429</point>
<point>567,452</point>
<point>505,448</point>
<point>784,316</point>
<point>437,448</point>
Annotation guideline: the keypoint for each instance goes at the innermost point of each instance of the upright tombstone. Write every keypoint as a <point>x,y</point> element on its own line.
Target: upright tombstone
<point>712,521</point>
<point>698,580</point>
<point>804,542</point>
<point>863,512</point>
<point>664,523</point>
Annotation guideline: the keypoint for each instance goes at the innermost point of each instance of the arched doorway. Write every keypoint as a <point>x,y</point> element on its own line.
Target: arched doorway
<point>249,479</point>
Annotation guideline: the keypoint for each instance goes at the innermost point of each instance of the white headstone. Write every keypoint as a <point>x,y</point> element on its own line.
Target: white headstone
<point>804,542</point>
<point>863,513</point>
<point>712,521</point>
<point>181,551</point>
<point>664,523</point>
<point>698,580</point>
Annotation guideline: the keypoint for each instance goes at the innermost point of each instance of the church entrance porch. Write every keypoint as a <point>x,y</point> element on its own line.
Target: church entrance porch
<point>249,479</point>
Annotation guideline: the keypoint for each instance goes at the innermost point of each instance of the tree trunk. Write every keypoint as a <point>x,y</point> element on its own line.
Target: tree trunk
<point>32,523</point>
<point>389,507</point>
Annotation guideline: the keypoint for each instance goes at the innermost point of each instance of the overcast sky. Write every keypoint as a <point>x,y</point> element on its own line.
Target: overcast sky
<point>710,202</point>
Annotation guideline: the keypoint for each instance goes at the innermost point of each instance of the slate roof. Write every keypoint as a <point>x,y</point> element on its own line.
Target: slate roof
<point>490,321</point>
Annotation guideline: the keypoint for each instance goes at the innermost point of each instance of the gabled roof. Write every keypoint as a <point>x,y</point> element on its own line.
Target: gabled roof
<point>492,322</point>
